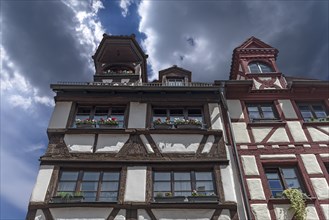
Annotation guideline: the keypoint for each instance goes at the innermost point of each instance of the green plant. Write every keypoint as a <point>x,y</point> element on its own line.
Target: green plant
<point>159,194</point>
<point>168,194</point>
<point>297,200</point>
<point>65,195</point>
<point>68,196</point>
<point>195,193</point>
<point>78,194</point>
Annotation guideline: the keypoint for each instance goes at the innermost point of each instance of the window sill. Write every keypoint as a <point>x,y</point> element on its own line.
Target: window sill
<point>76,199</point>
<point>316,123</point>
<point>59,199</point>
<point>97,128</point>
<point>266,123</point>
<point>188,199</point>
<point>287,201</point>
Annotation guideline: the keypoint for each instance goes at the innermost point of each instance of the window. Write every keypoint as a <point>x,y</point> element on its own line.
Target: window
<point>177,113</point>
<point>175,82</point>
<point>118,69</point>
<point>258,67</point>
<point>98,113</point>
<point>313,111</point>
<point>281,178</point>
<point>94,185</point>
<point>183,183</point>
<point>262,112</point>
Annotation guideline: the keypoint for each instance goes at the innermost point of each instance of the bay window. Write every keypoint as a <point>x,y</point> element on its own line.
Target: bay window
<point>93,185</point>
<point>180,183</point>
<point>100,113</point>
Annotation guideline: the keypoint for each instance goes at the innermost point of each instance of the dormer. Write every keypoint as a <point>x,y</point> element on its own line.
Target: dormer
<point>175,76</point>
<point>120,59</point>
<point>256,60</point>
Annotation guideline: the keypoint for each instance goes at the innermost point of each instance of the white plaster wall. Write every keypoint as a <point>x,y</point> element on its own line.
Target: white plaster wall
<point>215,116</point>
<point>42,182</point>
<point>278,156</point>
<point>146,144</point>
<point>170,143</point>
<point>228,183</point>
<point>209,143</point>
<point>324,155</point>
<point>257,84</point>
<point>287,109</point>
<point>296,131</point>
<point>142,215</point>
<point>80,213</point>
<point>260,211</point>
<point>249,165</point>
<point>235,109</point>
<point>79,143</point>
<point>311,213</point>
<point>317,135</point>
<point>240,132</point>
<point>283,212</point>
<point>260,133</point>
<point>180,214</point>
<point>225,215</point>
<point>237,189</point>
<point>280,135</point>
<point>39,215</point>
<point>325,210</point>
<point>321,188</point>
<point>60,115</point>
<point>136,184</point>
<point>137,115</point>
<point>111,142</point>
<point>277,83</point>
<point>256,189</point>
<point>311,164</point>
<point>121,215</point>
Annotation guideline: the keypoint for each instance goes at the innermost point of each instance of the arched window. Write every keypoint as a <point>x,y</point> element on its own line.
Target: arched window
<point>259,67</point>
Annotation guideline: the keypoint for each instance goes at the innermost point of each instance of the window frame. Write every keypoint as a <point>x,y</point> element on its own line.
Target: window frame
<point>310,106</point>
<point>79,181</point>
<point>185,113</point>
<point>283,179</point>
<point>260,70</point>
<point>175,81</point>
<point>193,182</point>
<point>93,112</point>
<point>260,111</point>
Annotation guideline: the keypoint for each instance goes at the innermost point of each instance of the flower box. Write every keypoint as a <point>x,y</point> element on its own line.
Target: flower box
<point>163,126</point>
<point>85,125</point>
<point>107,126</point>
<point>201,199</point>
<point>188,126</point>
<point>170,199</point>
<point>73,199</point>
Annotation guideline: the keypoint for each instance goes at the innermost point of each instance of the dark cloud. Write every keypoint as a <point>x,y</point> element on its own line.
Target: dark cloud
<point>298,29</point>
<point>304,48</point>
<point>190,41</point>
<point>38,37</point>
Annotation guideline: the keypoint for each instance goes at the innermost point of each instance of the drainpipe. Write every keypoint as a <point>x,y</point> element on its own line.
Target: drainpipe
<point>235,152</point>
